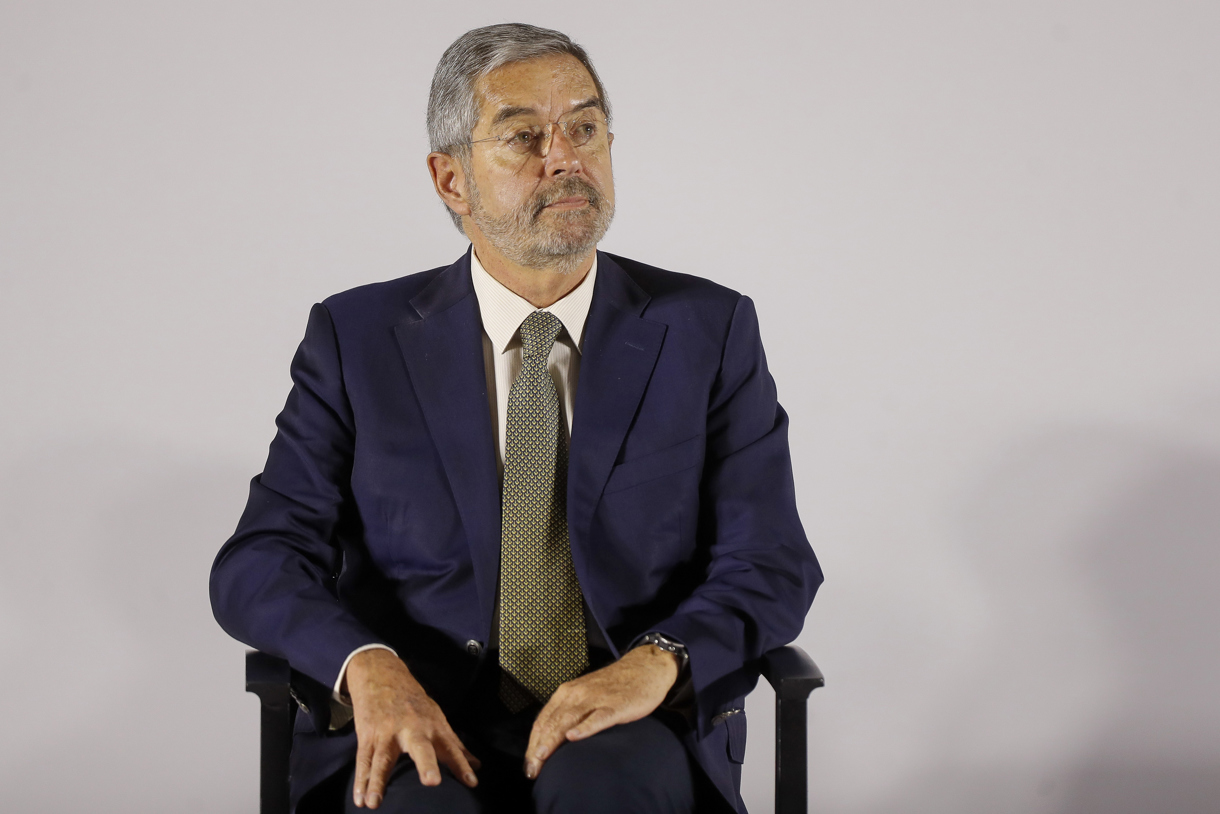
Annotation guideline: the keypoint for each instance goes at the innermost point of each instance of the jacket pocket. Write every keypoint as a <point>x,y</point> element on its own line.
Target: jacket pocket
<point>645,468</point>
<point>734,723</point>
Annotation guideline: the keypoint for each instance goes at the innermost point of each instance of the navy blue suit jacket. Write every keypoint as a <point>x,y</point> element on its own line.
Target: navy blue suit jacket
<point>377,517</point>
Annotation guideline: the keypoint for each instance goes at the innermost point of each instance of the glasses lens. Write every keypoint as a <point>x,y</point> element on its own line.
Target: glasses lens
<point>583,131</point>
<point>535,139</point>
<point>523,140</point>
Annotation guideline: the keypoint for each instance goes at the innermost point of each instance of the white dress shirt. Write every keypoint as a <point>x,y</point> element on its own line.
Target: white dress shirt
<point>502,313</point>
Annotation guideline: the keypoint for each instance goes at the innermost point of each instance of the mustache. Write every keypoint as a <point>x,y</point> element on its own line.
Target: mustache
<point>567,188</point>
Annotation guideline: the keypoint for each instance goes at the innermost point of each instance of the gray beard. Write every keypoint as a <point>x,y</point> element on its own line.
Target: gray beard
<point>560,244</point>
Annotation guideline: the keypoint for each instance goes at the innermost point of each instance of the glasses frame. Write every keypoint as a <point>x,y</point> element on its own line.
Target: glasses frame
<point>549,130</point>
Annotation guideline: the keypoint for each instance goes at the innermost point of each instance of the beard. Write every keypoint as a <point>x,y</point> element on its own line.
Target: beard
<point>561,240</point>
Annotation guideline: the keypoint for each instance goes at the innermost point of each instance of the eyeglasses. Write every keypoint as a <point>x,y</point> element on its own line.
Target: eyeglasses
<point>583,131</point>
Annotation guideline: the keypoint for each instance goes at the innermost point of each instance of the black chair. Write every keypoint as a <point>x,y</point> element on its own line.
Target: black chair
<point>788,669</point>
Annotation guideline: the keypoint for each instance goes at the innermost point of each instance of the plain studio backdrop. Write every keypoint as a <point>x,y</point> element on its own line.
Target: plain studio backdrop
<point>983,241</point>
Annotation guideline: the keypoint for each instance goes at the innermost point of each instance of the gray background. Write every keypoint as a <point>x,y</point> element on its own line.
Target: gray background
<point>982,240</point>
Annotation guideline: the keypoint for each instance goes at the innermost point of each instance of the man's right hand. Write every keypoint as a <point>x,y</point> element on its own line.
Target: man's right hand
<point>393,715</point>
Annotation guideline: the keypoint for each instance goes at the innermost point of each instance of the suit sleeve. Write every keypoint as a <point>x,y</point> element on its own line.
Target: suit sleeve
<point>273,584</point>
<point>762,574</point>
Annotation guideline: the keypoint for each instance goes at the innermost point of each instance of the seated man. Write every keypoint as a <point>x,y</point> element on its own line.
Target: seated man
<point>528,521</point>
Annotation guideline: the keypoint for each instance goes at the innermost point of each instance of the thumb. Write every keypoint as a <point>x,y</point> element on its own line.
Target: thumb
<point>596,721</point>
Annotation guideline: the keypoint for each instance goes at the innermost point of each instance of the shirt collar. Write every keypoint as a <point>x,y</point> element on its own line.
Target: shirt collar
<point>503,311</point>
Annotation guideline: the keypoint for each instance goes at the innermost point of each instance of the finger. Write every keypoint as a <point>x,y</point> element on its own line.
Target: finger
<point>421,751</point>
<point>596,721</point>
<point>544,723</point>
<point>538,734</point>
<point>452,742</point>
<point>556,731</point>
<point>385,756</point>
<point>453,754</point>
<point>544,740</point>
<point>364,759</point>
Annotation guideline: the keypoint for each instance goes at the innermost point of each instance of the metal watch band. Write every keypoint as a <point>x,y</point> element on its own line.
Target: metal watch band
<point>669,645</point>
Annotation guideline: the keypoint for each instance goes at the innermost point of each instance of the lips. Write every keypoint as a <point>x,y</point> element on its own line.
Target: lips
<point>569,191</point>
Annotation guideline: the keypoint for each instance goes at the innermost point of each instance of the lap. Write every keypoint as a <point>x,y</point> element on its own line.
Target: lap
<point>404,794</point>
<point>637,767</point>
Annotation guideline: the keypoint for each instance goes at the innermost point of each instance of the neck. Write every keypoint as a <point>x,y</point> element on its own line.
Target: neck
<point>543,286</point>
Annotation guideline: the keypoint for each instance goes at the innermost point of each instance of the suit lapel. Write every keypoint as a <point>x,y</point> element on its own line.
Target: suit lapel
<point>619,352</point>
<point>442,345</point>
<point>443,350</point>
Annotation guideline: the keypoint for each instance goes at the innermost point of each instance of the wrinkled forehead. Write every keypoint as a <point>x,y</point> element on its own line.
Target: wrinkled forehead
<point>547,87</point>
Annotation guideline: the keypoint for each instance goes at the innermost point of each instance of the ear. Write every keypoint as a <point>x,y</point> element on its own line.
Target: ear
<point>449,179</point>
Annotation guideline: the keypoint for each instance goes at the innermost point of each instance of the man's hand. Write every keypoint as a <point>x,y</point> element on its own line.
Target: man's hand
<point>619,693</point>
<point>394,715</point>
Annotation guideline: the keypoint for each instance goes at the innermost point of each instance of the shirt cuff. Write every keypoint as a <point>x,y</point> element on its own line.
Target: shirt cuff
<point>341,697</point>
<point>341,703</point>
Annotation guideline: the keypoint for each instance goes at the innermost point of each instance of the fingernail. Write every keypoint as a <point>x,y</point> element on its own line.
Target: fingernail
<point>359,799</point>
<point>573,734</point>
<point>531,770</point>
<point>471,780</point>
<point>374,800</point>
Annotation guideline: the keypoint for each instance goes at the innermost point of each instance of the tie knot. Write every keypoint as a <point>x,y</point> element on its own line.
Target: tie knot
<point>538,334</point>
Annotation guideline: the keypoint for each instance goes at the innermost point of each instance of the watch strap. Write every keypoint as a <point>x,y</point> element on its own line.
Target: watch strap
<point>669,645</point>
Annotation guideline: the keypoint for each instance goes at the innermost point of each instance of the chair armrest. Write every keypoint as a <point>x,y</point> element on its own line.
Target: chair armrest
<point>268,677</point>
<point>791,673</point>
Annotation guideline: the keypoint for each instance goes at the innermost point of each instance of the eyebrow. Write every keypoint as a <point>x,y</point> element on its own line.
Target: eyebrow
<point>505,113</point>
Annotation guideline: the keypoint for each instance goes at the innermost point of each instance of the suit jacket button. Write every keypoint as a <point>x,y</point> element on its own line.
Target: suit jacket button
<point>473,647</point>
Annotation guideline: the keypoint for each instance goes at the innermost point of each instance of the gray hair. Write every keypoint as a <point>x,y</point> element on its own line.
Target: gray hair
<point>453,109</point>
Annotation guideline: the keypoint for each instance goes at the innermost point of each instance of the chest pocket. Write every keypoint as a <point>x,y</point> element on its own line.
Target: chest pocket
<point>654,465</point>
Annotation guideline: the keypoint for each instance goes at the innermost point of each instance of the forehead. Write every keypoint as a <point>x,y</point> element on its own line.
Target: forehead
<point>549,85</point>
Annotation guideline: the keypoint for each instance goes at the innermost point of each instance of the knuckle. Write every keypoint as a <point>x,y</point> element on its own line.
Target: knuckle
<point>417,738</point>
<point>421,751</point>
<point>457,758</point>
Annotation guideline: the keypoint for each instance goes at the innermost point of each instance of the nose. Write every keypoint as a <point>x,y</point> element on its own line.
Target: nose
<point>560,156</point>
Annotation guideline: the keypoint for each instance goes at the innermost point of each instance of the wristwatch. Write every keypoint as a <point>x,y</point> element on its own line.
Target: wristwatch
<point>669,645</point>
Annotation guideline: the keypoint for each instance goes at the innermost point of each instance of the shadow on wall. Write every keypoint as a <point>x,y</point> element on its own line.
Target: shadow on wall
<point>1156,562</point>
<point>123,684</point>
<point>1096,693</point>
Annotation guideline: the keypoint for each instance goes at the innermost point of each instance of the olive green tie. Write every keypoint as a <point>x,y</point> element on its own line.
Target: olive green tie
<point>542,624</point>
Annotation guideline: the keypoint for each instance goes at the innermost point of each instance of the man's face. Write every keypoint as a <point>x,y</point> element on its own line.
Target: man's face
<point>540,210</point>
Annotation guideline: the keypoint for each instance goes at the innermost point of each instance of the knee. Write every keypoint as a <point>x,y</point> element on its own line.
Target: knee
<point>609,773</point>
<point>585,765</point>
<point>405,794</point>
<point>580,777</point>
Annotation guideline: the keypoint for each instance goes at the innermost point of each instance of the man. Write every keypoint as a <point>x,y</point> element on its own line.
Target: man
<point>528,521</point>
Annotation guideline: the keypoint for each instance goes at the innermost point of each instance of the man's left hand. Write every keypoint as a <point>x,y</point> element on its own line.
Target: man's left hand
<point>619,693</point>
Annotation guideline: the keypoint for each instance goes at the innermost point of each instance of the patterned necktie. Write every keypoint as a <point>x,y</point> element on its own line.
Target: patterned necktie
<point>542,623</point>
